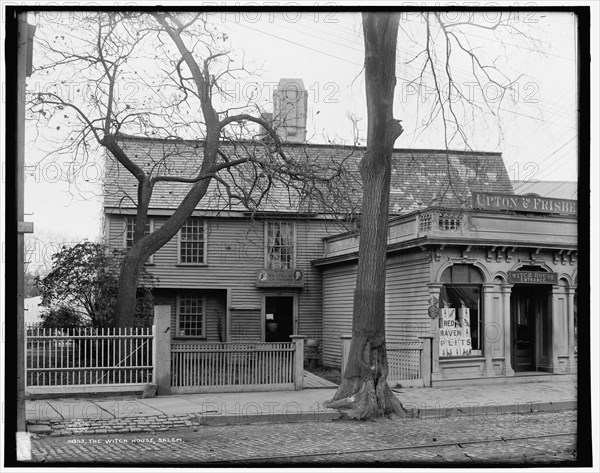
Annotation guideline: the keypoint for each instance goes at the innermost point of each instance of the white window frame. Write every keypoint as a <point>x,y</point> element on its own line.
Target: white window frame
<point>294,242</point>
<point>480,321</point>
<point>204,261</point>
<point>126,220</point>
<point>202,299</point>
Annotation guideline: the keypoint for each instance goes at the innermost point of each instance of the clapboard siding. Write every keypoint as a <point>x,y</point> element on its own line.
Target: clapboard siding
<point>246,326</point>
<point>309,242</point>
<point>406,302</point>
<point>407,296</point>
<point>338,295</point>
<point>235,251</point>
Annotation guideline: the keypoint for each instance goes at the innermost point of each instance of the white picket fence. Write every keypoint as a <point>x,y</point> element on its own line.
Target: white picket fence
<point>223,367</point>
<point>85,359</point>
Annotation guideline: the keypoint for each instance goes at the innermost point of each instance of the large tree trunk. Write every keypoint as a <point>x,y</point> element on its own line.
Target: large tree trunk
<point>364,392</point>
<point>128,282</point>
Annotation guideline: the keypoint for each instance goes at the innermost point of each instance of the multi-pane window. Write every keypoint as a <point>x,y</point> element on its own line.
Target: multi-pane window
<point>460,302</point>
<point>191,242</point>
<point>280,245</point>
<point>130,230</point>
<point>190,316</point>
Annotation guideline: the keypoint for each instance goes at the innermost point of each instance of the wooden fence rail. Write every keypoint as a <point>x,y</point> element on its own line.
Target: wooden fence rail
<point>408,361</point>
<point>221,367</point>
<point>404,361</point>
<point>85,356</point>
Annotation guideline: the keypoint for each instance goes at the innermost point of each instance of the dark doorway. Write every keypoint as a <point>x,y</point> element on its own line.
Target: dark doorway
<point>279,318</point>
<point>530,327</point>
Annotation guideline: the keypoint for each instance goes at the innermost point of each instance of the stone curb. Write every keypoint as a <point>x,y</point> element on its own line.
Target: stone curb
<point>491,410</point>
<point>149,424</point>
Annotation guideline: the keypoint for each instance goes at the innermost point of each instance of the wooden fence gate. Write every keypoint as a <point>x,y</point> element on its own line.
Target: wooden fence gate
<point>85,359</point>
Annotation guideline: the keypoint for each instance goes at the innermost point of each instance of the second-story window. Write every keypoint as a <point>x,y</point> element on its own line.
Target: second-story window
<point>191,242</point>
<point>130,230</point>
<point>280,245</point>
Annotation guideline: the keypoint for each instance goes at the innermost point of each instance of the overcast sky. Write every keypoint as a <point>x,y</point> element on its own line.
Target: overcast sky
<point>534,126</point>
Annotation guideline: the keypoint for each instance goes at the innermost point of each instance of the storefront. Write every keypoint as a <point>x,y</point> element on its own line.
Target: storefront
<point>492,289</point>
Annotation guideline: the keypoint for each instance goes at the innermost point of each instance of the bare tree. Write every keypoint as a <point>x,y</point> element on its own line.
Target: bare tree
<point>364,392</point>
<point>176,61</point>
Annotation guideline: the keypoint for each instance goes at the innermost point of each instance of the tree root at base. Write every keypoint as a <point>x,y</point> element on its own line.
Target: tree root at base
<point>367,401</point>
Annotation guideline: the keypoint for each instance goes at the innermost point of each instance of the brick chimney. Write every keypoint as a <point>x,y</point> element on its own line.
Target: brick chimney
<point>290,107</point>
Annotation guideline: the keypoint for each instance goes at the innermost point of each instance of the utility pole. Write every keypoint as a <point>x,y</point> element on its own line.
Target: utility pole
<point>25,34</point>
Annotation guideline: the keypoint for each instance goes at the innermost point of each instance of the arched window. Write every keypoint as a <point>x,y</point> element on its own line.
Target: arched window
<point>462,319</point>
<point>462,273</point>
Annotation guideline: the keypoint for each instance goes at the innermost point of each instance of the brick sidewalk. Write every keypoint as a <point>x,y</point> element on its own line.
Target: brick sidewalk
<point>70,416</point>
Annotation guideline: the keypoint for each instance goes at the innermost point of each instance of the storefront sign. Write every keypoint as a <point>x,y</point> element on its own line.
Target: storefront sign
<point>455,334</point>
<point>279,278</point>
<point>532,277</point>
<point>523,203</point>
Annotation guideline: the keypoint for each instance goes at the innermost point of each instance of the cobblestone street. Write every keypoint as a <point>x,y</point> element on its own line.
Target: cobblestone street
<point>533,438</point>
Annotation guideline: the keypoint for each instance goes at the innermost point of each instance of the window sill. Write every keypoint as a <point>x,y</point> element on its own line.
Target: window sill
<point>466,357</point>
<point>192,265</point>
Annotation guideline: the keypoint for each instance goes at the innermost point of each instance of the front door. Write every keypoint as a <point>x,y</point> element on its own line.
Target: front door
<point>279,318</point>
<point>531,327</point>
<point>523,328</point>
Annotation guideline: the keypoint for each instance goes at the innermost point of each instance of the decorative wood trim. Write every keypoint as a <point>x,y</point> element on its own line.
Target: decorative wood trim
<point>499,254</point>
<point>466,251</point>
<point>510,254</point>
<point>534,254</point>
<point>573,258</point>
<point>558,256</point>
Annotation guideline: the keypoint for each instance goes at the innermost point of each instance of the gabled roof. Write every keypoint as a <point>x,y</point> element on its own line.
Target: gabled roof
<point>420,178</point>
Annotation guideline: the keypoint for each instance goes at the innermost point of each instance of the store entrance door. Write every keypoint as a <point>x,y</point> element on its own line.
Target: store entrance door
<point>530,327</point>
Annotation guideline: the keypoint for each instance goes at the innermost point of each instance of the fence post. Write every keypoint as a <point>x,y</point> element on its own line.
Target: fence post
<point>154,352</point>
<point>298,343</point>
<point>27,327</point>
<point>426,360</point>
<point>162,342</point>
<point>346,340</point>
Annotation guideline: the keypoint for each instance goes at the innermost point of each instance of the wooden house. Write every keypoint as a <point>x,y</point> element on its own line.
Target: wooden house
<point>488,289</point>
<point>237,275</point>
<point>484,278</point>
